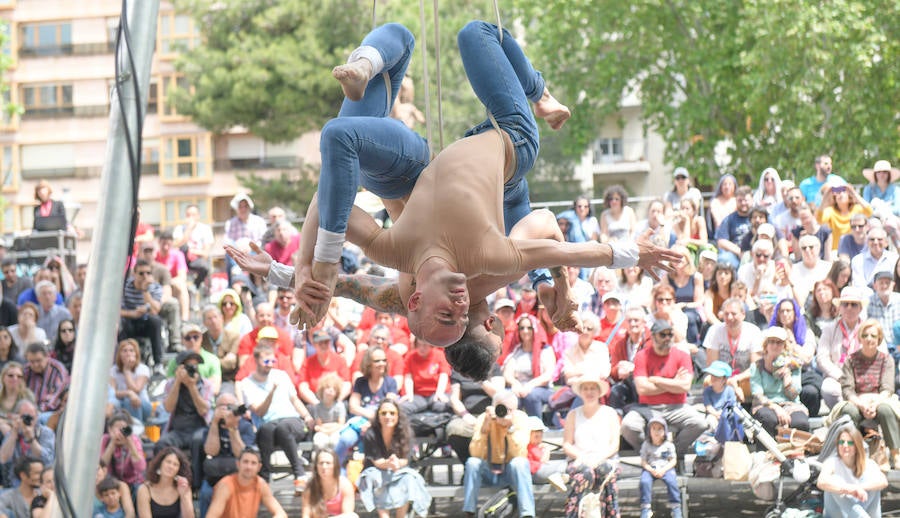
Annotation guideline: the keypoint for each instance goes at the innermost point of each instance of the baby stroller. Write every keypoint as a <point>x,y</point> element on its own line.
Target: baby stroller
<point>806,499</point>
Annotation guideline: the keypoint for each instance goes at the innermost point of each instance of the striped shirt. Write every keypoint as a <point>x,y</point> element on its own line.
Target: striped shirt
<point>47,385</point>
<point>253,229</point>
<point>133,298</point>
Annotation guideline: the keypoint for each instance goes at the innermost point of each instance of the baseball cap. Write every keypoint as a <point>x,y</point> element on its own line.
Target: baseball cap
<point>504,303</point>
<point>719,368</point>
<point>660,325</point>
<point>191,328</point>
<point>612,296</point>
<point>184,356</point>
<point>680,171</point>
<point>267,332</point>
<point>321,336</point>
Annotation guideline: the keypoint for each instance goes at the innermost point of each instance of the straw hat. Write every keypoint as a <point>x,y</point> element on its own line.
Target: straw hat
<point>852,294</point>
<point>591,378</point>
<point>881,165</point>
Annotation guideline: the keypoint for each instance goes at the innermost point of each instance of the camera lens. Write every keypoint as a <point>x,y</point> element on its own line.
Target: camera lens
<point>239,410</point>
<point>27,420</point>
<point>501,410</point>
<point>126,430</point>
<point>191,369</point>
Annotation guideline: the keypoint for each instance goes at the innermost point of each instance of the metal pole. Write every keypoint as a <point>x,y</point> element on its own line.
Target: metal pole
<point>83,425</point>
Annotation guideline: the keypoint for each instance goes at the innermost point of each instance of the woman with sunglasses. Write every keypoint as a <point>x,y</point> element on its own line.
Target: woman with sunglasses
<point>233,313</point>
<point>64,347</point>
<point>12,390</point>
<point>129,378</point>
<point>840,203</point>
<point>388,483</point>
<point>851,480</point>
<point>867,385</point>
<point>529,368</point>
<point>839,340</point>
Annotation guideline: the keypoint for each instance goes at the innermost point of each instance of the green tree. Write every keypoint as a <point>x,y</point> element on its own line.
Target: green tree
<point>781,82</point>
<point>292,190</point>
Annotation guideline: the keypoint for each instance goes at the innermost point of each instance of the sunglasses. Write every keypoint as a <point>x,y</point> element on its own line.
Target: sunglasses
<point>846,443</point>
<point>838,190</point>
<point>229,303</point>
<point>525,327</point>
<point>665,299</point>
<point>191,337</point>
<point>850,304</point>
<point>665,334</point>
<point>858,226</point>
<point>268,362</point>
<point>386,413</point>
<point>760,255</point>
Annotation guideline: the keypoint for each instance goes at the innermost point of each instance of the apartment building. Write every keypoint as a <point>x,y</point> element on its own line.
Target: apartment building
<point>62,74</point>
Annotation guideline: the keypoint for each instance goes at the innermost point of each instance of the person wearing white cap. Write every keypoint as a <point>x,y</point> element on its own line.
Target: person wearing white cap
<point>876,258</point>
<point>768,194</point>
<point>680,191</point>
<point>244,227</point>
<point>810,269</point>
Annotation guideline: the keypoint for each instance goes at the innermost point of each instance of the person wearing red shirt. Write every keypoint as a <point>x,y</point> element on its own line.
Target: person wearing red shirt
<point>325,360</point>
<point>285,243</point>
<point>380,337</point>
<point>662,377</point>
<point>624,347</point>
<point>612,315</point>
<point>265,318</point>
<point>399,333</point>
<point>427,379</point>
<point>270,337</point>
<point>173,259</point>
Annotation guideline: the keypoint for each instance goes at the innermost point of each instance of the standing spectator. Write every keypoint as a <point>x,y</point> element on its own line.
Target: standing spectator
<point>49,313</point>
<point>529,368</point>
<point>129,378</point>
<point>662,377</point>
<point>731,231</point>
<point>839,203</point>
<point>681,191</point>
<point>839,340</point>
<point>271,396</point>
<point>325,360</point>
<point>617,222</point>
<point>26,438</point>
<point>242,229</point>
<point>48,214</point>
<point>47,379</point>
<point>775,385</point>
<point>195,240</point>
<point>167,491</point>
<point>13,284</point>
<point>427,380</point>
<point>285,243</point>
<point>188,400</point>
<point>220,341</point>
<point>658,461</point>
<point>591,442</point>
<point>499,454</point>
<point>735,342</point>
<point>851,481</point>
<point>230,433</point>
<point>723,202</point>
<point>141,302</point>
<point>175,262</point>
<point>388,483</point>
<point>64,346</point>
<point>330,494</point>
<point>854,243</point>
<point>122,452</point>
<point>17,502</point>
<point>868,262</point>
<point>241,494</point>
<point>768,194</point>
<point>26,331</point>
<point>812,186</point>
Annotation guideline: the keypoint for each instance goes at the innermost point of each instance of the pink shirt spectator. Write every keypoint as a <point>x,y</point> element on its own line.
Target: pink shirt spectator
<point>122,465</point>
<point>282,254</point>
<point>174,262</point>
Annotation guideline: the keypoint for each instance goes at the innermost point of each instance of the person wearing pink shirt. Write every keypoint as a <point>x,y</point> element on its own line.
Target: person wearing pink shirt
<point>173,259</point>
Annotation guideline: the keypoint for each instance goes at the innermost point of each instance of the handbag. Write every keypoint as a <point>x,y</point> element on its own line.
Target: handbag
<point>503,504</point>
<point>762,476</point>
<point>735,461</point>
<point>810,443</point>
<point>562,398</point>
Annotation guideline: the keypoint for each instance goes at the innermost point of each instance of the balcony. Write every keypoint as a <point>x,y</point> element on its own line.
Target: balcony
<point>100,110</point>
<point>80,49</point>
<point>62,172</point>
<point>271,162</point>
<point>619,156</point>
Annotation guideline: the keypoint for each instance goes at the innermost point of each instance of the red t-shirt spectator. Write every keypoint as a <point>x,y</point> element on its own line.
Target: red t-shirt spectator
<point>394,362</point>
<point>282,254</point>
<point>426,370</point>
<point>285,346</point>
<point>647,363</point>
<point>174,261</point>
<point>313,369</point>
<point>281,362</point>
<point>618,351</point>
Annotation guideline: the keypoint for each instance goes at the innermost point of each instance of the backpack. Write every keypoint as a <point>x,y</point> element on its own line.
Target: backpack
<point>427,424</point>
<point>730,426</point>
<point>503,504</point>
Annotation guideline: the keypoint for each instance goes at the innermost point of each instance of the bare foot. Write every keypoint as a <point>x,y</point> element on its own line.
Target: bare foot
<point>554,112</point>
<point>353,77</point>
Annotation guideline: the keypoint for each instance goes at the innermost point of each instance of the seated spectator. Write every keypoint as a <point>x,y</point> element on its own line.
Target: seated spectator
<point>9,350</point>
<point>853,243</point>
<point>170,308</point>
<point>283,419</point>
<point>604,281</point>
<point>622,351</point>
<point>195,240</point>
<point>867,385</point>
<point>27,332</point>
<point>325,360</point>
<point>689,225</point>
<point>17,502</point>
<point>286,241</point>
<point>581,290</point>
<point>658,461</point>
<point>775,385</point>
<point>12,390</point>
<point>268,337</point>
<point>73,304</point>
<point>122,452</point>
<point>840,274</point>
<point>329,493</point>
<point>340,342</point>
<point>809,270</point>
<point>559,341</point>
<point>840,202</point>
<point>588,355</point>
<point>388,483</point>
<point>189,399</point>
<point>64,346</point>
<point>786,215</point>
<point>719,291</point>
<point>528,300</point>
<point>839,340</point>
<point>173,259</point>
<point>662,377</point>
<point>46,378</point>
<point>13,284</point>
<point>635,286</point>
<point>682,190</point>
<point>821,311</point>
<point>499,454</point>
<point>167,491</point>
<point>584,226</point>
<point>663,308</point>
<point>110,501</point>
<point>220,341</point>
<point>369,389</point>
<point>240,494</point>
<point>687,285</point>
<point>209,368</point>
<point>612,317</point>
<point>875,259</point>
<point>718,395</point>
<point>732,229</point>
<point>617,221</point>
<point>468,399</point>
<point>230,432</point>
<point>851,481</point>
<point>735,342</point>
<point>265,319</point>
<point>129,378</point>
<point>398,326</point>
<point>529,368</point>
<point>759,274</point>
<point>49,313</point>
<point>329,413</point>
<point>141,302</point>
<point>379,337</point>
<point>591,442</point>
<point>26,438</point>
<point>801,346</point>
<point>427,380</point>
<point>30,295</point>
<point>808,226</point>
<point>660,231</point>
<point>232,309</point>
<point>543,470</point>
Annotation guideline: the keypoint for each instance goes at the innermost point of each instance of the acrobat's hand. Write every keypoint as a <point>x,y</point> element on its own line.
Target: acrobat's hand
<point>560,304</point>
<point>315,297</point>
<point>257,263</point>
<point>651,256</point>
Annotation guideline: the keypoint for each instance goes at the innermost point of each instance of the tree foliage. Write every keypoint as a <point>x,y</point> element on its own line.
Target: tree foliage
<point>781,82</point>
<point>292,190</point>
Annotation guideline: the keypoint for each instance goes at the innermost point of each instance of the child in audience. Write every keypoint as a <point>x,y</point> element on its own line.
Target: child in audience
<point>110,505</point>
<point>718,395</point>
<point>329,414</point>
<point>544,470</point>
<point>658,461</point>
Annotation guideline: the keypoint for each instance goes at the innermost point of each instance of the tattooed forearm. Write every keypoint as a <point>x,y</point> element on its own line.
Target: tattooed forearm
<point>377,292</point>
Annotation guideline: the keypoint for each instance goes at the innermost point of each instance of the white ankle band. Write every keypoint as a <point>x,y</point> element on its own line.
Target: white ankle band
<point>328,246</point>
<point>372,55</point>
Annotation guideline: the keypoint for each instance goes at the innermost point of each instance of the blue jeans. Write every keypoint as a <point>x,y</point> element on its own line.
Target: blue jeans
<point>205,498</point>
<point>670,479</point>
<point>533,403</point>
<point>141,413</point>
<point>849,507</point>
<point>516,474</point>
<point>348,439</point>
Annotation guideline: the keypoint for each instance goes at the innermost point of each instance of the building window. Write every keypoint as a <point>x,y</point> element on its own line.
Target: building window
<point>112,31</point>
<point>176,33</point>
<point>150,157</point>
<point>607,150</point>
<point>186,158</point>
<point>8,168</point>
<point>173,210</point>
<point>46,39</point>
<point>153,97</point>
<point>167,83</point>
<point>47,100</point>
<point>10,224</point>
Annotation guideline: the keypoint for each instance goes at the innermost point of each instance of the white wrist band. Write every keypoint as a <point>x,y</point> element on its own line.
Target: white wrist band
<point>328,246</point>
<point>624,255</point>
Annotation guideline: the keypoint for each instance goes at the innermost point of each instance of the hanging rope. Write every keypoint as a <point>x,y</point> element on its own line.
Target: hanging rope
<point>374,11</point>
<point>499,22</point>
<point>437,66</point>
<point>425,77</point>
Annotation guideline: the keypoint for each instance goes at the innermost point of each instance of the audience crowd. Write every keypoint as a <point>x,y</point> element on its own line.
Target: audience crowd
<point>787,301</point>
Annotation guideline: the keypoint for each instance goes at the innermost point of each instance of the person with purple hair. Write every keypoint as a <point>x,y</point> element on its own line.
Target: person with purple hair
<point>788,315</point>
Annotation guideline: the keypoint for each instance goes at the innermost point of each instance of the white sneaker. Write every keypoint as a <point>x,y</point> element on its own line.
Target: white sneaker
<point>558,481</point>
